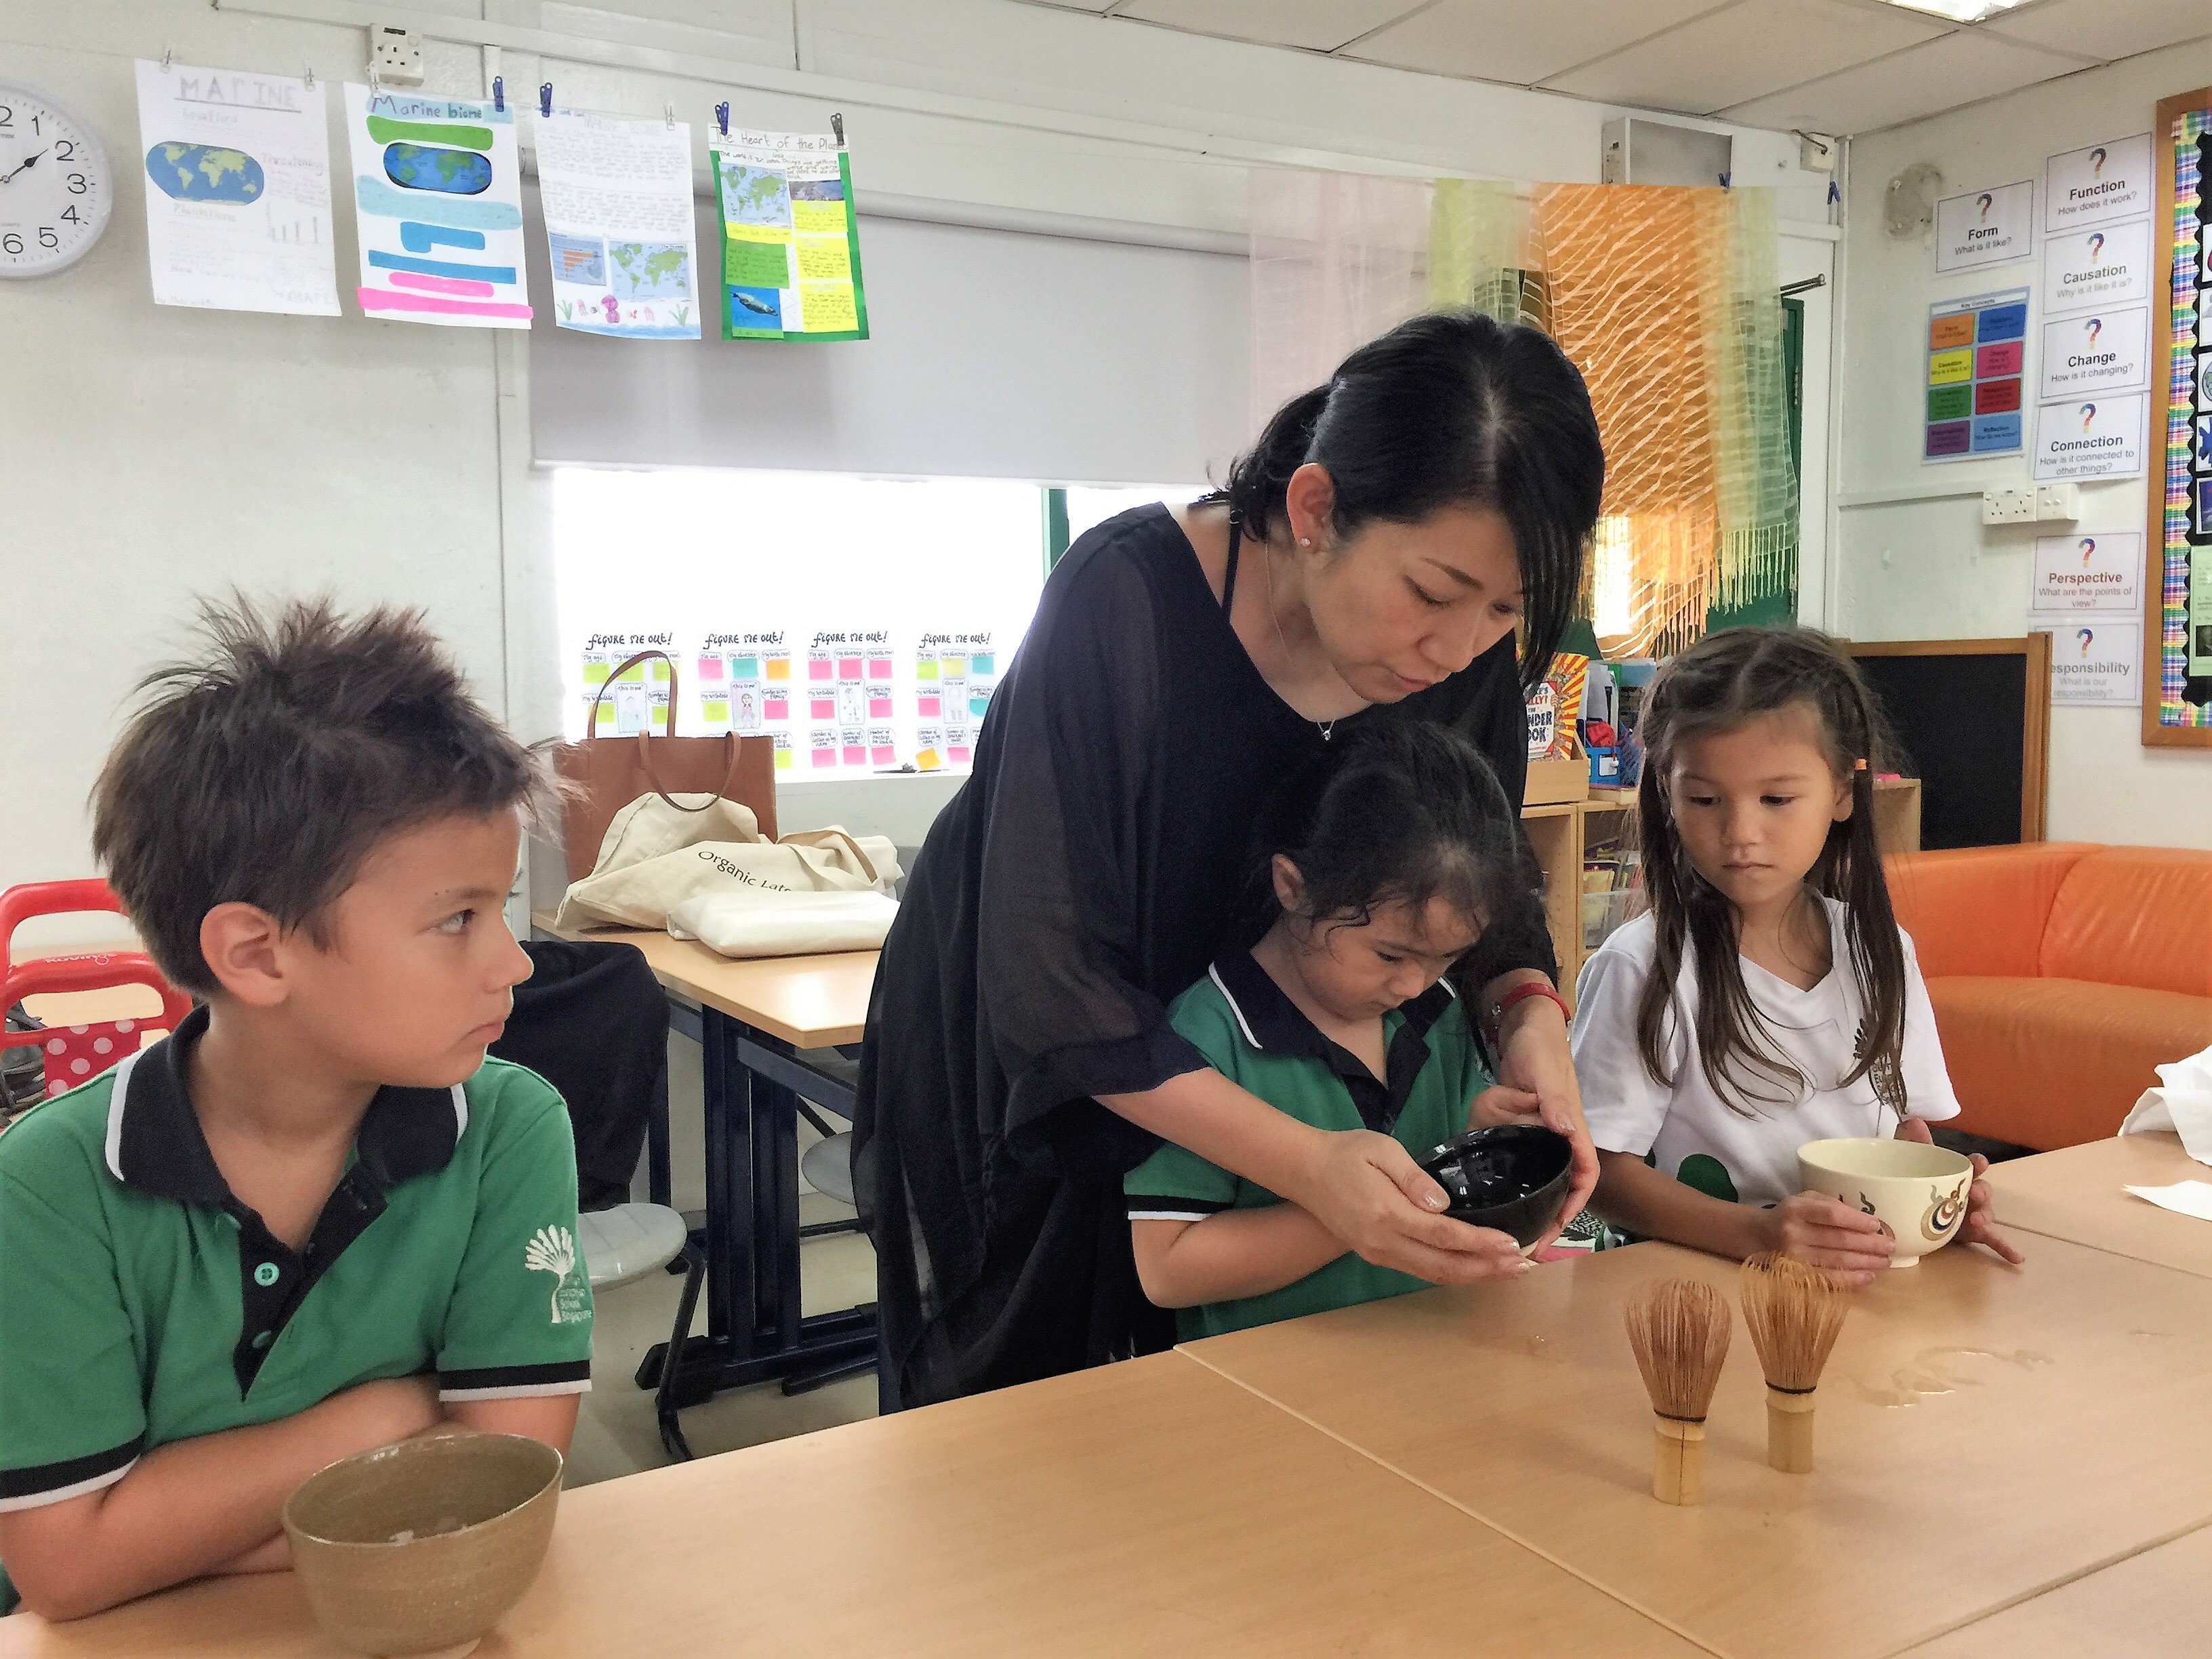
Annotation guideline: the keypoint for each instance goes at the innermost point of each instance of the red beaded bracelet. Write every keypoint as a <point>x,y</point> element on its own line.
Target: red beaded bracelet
<point>1522,993</point>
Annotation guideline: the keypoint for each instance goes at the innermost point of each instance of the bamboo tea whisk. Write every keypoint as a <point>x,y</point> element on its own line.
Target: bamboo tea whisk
<point>1680,1329</point>
<point>1794,1312</point>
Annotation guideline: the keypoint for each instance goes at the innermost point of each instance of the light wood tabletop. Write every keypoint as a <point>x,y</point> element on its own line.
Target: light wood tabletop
<point>2076,1194</point>
<point>2151,1606</point>
<point>1983,1433</point>
<point>1140,1509</point>
<point>810,1002</point>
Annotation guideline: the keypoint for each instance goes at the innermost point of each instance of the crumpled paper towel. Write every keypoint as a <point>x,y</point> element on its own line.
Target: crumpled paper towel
<point>2182,1105</point>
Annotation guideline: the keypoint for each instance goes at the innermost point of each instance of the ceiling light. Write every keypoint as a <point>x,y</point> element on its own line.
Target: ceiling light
<point>1959,11</point>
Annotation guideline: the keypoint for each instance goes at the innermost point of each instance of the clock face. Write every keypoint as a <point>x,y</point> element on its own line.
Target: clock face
<point>55,188</point>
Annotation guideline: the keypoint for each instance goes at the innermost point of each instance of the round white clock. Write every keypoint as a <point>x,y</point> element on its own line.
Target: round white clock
<point>55,186</point>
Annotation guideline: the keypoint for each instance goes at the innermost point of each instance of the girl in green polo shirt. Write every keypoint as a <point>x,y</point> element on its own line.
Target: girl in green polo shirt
<point>1381,871</point>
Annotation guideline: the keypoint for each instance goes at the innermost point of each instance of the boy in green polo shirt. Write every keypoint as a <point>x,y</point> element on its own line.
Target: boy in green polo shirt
<point>1380,877</point>
<point>314,1219</point>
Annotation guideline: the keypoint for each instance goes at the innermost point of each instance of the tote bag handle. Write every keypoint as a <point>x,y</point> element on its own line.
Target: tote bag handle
<point>645,741</point>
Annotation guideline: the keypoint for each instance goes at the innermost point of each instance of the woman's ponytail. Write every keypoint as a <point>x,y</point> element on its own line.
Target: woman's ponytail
<point>1259,479</point>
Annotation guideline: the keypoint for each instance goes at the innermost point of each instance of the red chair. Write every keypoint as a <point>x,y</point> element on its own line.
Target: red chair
<point>74,1055</point>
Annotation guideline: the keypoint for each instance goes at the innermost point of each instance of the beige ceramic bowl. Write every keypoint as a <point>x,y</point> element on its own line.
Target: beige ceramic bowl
<point>423,1545</point>
<point>1918,1192</point>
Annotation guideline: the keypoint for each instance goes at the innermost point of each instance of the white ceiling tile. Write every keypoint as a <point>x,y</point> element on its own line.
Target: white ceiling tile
<point>1519,41</point>
<point>1959,69</point>
<point>1322,25</point>
<point>2105,29</point>
<point>1757,48</point>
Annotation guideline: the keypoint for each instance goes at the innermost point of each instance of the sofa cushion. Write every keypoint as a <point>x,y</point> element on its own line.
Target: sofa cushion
<point>2054,1062</point>
<point>2134,916</point>
<point>1981,910</point>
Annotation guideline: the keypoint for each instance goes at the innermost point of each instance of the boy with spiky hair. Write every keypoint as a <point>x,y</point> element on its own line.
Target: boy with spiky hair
<point>314,1219</point>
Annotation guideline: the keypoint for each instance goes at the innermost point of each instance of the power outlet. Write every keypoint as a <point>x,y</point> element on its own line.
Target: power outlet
<point>2058,503</point>
<point>395,55</point>
<point>2013,505</point>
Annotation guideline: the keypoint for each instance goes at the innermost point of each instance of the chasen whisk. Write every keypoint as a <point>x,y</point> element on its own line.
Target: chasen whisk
<point>1680,1329</point>
<point>1794,1312</point>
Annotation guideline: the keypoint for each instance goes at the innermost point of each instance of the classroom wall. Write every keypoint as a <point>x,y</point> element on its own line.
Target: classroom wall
<point>1912,564</point>
<point>148,455</point>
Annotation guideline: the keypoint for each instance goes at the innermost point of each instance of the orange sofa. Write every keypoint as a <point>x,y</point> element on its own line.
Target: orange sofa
<point>2062,973</point>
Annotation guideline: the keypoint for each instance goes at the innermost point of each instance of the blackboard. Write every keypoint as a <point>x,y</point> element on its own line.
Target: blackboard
<point>1971,718</point>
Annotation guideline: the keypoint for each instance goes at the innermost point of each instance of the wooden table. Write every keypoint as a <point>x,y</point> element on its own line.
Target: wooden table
<point>1143,1508</point>
<point>2151,1606</point>
<point>2076,1194</point>
<point>1983,1434</point>
<point>767,1029</point>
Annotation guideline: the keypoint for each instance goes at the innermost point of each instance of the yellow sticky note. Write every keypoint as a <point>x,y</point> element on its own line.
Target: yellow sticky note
<point>746,233</point>
<point>715,708</point>
<point>926,669</point>
<point>828,307</point>
<point>926,760</point>
<point>779,668</point>
<point>818,218</point>
<point>1945,368</point>
<point>825,259</point>
<point>782,759</point>
<point>595,673</point>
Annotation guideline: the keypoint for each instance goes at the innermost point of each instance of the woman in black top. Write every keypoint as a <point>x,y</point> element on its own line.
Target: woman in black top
<point>1370,559</point>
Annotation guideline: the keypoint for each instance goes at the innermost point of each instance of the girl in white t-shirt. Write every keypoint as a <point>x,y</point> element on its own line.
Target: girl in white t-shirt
<point>1769,999</point>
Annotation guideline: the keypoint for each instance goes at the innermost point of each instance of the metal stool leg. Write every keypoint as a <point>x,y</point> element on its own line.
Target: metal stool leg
<point>665,1401</point>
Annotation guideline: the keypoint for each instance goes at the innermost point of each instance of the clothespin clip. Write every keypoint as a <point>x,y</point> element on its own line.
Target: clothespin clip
<point>545,98</point>
<point>310,77</point>
<point>668,114</point>
<point>722,119</point>
<point>837,126</point>
<point>499,94</point>
<point>1835,195</point>
<point>1725,181</point>
<point>165,60</point>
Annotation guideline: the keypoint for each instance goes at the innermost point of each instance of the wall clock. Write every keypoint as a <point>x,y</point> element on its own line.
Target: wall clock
<point>55,186</point>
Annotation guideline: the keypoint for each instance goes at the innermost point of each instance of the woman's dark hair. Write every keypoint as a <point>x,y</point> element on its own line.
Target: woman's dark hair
<point>1397,812</point>
<point>1719,684</point>
<point>1450,409</point>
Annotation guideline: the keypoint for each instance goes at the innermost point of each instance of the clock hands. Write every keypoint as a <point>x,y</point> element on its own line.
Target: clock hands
<point>29,161</point>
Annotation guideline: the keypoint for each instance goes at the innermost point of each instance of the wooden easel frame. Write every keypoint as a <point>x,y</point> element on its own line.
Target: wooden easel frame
<point>2155,734</point>
<point>2035,716</point>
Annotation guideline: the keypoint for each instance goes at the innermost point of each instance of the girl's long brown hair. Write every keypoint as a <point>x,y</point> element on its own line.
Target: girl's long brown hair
<point>1718,684</point>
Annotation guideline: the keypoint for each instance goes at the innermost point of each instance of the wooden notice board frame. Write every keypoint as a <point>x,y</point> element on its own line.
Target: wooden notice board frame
<point>2173,391</point>
<point>2035,713</point>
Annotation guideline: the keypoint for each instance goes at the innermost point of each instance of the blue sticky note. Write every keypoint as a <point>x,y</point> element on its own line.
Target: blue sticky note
<point>1994,434</point>
<point>982,662</point>
<point>2001,323</point>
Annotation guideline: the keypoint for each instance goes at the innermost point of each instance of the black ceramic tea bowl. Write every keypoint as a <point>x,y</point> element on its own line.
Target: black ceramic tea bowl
<point>1511,1178</point>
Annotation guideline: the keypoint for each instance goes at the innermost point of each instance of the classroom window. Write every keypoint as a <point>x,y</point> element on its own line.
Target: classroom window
<point>861,622</point>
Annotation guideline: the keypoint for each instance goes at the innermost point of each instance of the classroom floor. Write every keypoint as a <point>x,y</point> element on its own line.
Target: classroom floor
<point>615,1434</point>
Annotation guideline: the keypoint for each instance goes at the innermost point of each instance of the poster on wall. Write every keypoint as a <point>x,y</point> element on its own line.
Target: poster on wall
<point>791,241</point>
<point>238,190</point>
<point>955,674</point>
<point>2098,182</point>
<point>2093,661</point>
<point>745,685</point>
<point>2111,266</point>
<point>1975,351</point>
<point>2104,350</point>
<point>2180,520</point>
<point>1985,227</point>
<point>616,196</point>
<point>636,699</point>
<point>2100,573</point>
<point>2092,438</point>
<point>437,195</point>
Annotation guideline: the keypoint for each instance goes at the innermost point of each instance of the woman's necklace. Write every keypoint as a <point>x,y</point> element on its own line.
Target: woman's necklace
<point>1327,728</point>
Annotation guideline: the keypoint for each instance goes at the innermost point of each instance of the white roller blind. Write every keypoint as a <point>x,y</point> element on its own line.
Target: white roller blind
<point>994,353</point>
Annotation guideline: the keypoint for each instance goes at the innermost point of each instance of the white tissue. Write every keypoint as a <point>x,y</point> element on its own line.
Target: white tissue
<point>2182,1105</point>
<point>2183,1198</point>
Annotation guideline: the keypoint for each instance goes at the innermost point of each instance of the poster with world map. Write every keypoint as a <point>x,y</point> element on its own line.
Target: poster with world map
<point>791,244</point>
<point>616,196</point>
<point>438,195</point>
<point>238,190</point>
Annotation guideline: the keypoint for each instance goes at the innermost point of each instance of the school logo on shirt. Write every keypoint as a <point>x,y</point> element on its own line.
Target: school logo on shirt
<point>553,1250</point>
<point>1887,1079</point>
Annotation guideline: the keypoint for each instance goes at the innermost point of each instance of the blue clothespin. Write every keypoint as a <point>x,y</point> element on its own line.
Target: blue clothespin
<point>545,98</point>
<point>1835,195</point>
<point>499,94</point>
<point>1725,181</point>
<point>722,119</point>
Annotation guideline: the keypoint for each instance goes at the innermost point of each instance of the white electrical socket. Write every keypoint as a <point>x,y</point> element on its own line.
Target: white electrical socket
<point>2059,503</point>
<point>395,54</point>
<point>2012,505</point>
<point>1816,152</point>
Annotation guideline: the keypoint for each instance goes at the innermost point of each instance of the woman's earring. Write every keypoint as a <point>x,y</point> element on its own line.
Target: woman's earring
<point>1306,541</point>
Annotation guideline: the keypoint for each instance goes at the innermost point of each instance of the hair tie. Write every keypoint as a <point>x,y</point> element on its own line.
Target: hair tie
<point>1859,765</point>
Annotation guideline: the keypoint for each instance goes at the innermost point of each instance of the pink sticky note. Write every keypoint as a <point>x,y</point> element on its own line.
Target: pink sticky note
<point>929,707</point>
<point>848,668</point>
<point>823,708</point>
<point>821,668</point>
<point>710,668</point>
<point>776,707</point>
<point>879,706</point>
<point>879,668</point>
<point>957,754</point>
<point>883,755</point>
<point>825,757</point>
<point>856,754</point>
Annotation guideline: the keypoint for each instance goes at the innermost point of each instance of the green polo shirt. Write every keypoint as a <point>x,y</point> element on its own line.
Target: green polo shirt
<point>1257,1038</point>
<point>141,1303</point>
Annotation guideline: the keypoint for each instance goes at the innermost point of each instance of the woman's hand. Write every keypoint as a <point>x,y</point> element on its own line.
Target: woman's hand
<point>1366,1189</point>
<point>1533,1056</point>
<point>1824,1232</point>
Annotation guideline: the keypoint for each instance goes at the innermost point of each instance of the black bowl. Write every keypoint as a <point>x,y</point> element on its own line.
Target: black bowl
<point>1511,1177</point>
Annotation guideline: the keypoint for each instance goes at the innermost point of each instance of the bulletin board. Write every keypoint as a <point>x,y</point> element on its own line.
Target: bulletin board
<point>2177,705</point>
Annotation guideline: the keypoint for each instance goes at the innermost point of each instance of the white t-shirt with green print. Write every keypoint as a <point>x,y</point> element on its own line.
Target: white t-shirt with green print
<point>1686,1130</point>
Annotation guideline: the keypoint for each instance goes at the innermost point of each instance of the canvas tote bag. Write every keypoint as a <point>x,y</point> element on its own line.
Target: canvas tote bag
<point>605,775</point>
<point>652,862</point>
